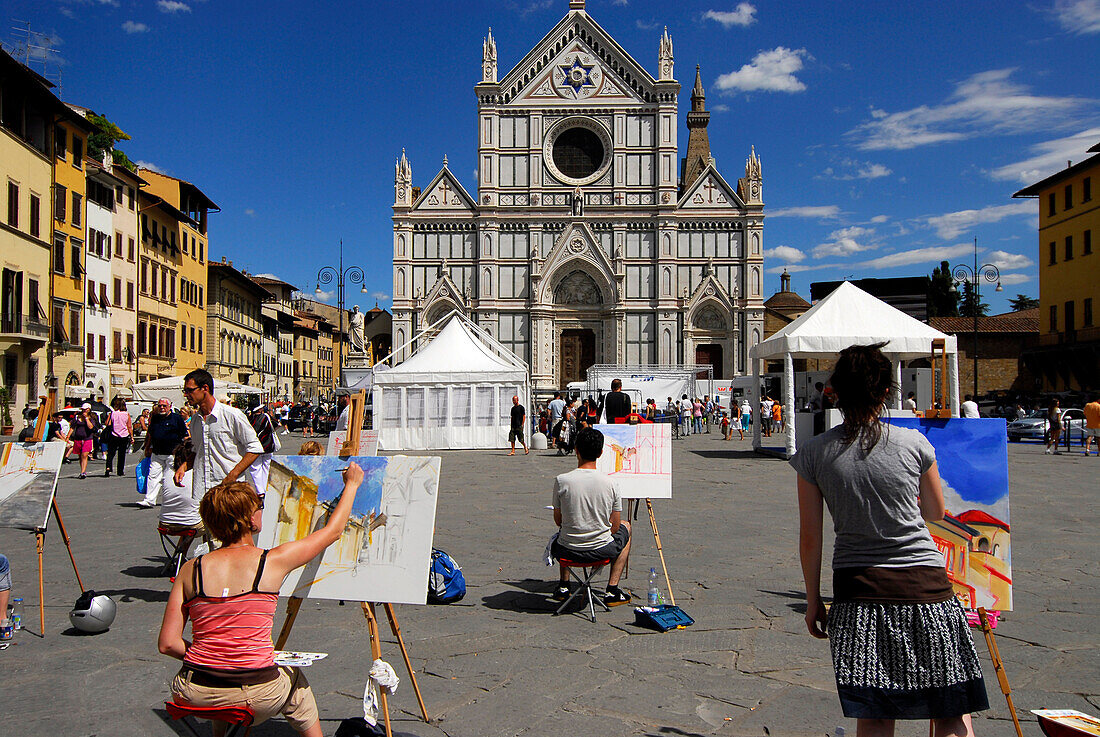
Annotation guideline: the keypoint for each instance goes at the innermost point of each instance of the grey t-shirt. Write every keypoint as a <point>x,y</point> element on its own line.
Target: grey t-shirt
<point>586,498</point>
<point>873,497</point>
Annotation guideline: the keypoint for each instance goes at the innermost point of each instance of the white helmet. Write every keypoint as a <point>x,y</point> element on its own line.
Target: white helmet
<point>93,613</point>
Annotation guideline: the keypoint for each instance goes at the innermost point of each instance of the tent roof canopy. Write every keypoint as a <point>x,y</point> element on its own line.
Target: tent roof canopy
<point>851,316</point>
<point>172,387</point>
<point>458,353</point>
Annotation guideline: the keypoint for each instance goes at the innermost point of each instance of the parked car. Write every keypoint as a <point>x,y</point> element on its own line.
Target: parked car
<point>324,420</point>
<point>1034,426</point>
<point>299,415</point>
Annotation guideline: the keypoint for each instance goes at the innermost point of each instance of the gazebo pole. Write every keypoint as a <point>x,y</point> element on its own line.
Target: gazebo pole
<point>897,383</point>
<point>788,403</point>
<point>953,381</point>
<point>754,403</point>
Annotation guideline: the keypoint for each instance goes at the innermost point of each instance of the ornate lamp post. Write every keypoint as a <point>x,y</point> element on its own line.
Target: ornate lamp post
<point>974,274</point>
<point>325,276</point>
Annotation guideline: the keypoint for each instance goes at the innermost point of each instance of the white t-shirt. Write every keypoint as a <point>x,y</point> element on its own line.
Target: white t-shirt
<point>586,498</point>
<point>970,409</point>
<point>177,505</point>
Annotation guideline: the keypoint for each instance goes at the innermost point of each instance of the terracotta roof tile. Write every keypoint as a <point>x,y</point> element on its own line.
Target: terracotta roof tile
<point>1026,321</point>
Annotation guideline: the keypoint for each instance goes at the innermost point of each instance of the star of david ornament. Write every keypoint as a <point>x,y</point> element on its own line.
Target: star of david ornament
<point>581,78</point>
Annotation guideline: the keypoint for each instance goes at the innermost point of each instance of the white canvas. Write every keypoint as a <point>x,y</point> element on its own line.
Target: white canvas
<point>385,551</point>
<point>639,458</point>
<point>28,481</point>
<point>368,442</point>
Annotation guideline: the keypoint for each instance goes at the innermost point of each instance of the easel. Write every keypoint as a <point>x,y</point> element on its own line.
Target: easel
<point>294,604</point>
<point>939,353</point>
<point>45,408</point>
<point>657,540</point>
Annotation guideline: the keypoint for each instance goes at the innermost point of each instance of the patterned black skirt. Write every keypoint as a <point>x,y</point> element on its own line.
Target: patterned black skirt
<point>905,661</point>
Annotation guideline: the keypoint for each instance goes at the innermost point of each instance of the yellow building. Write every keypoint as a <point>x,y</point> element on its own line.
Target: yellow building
<point>26,175</point>
<point>234,325</point>
<point>1068,356</point>
<point>194,247</point>
<point>68,281</point>
<point>159,260</point>
<point>305,356</point>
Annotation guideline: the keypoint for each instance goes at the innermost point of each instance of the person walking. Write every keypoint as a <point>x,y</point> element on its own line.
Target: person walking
<point>697,416</point>
<point>738,419</point>
<point>746,417</point>
<point>1092,424</point>
<point>1054,427</point>
<point>265,432</point>
<point>777,417</point>
<point>685,415</point>
<point>167,430</point>
<point>83,436</point>
<point>516,431</point>
<point>120,431</point>
<point>901,646</point>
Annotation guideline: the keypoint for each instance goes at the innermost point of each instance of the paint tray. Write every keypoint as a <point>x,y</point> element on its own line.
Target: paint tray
<point>661,618</point>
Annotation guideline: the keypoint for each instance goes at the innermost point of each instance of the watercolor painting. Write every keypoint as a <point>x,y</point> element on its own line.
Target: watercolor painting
<point>975,534</point>
<point>28,481</point>
<point>368,442</point>
<point>385,550</point>
<point>639,458</point>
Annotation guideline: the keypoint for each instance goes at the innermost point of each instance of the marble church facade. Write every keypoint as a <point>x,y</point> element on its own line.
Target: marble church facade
<point>584,242</point>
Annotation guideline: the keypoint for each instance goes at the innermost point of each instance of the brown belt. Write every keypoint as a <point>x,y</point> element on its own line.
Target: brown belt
<point>228,679</point>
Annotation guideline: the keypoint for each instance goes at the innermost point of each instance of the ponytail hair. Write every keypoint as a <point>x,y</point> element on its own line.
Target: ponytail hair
<point>862,379</point>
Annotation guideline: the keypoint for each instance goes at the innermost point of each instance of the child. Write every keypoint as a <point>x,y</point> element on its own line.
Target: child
<point>727,433</point>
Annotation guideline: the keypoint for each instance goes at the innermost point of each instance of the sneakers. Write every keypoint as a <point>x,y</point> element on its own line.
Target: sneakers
<point>83,476</point>
<point>145,503</point>
<point>615,597</point>
<point>561,593</point>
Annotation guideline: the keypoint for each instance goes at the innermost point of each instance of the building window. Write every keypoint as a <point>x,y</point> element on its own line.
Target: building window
<point>103,348</point>
<point>59,202</point>
<point>74,322</point>
<point>1068,317</point>
<point>1053,253</point>
<point>60,139</point>
<point>1086,189</point>
<point>118,291</point>
<point>78,151</point>
<point>130,253</point>
<point>116,346</point>
<point>1086,313</point>
<point>1052,205</point>
<point>130,346</point>
<point>199,349</point>
<point>192,337</point>
<point>1069,196</point>
<point>59,254</point>
<point>118,244</point>
<point>1054,318</point>
<point>130,198</point>
<point>75,265</point>
<point>77,209</point>
<point>36,216</point>
<point>13,204</point>
<point>144,274</point>
<point>141,338</point>
<point>1069,247</point>
<point>129,295</point>
<point>89,347</point>
<point>1086,243</point>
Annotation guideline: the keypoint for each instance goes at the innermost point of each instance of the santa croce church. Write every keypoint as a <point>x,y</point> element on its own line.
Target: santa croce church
<point>583,244</point>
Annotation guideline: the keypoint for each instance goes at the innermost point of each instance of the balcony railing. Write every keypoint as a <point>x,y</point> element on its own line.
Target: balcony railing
<point>17,324</point>
<point>1084,335</point>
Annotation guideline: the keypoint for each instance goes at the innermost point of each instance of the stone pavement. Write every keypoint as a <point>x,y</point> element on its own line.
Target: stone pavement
<point>498,663</point>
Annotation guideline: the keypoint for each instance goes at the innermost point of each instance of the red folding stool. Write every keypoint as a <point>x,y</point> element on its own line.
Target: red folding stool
<point>590,569</point>
<point>179,553</point>
<point>238,717</point>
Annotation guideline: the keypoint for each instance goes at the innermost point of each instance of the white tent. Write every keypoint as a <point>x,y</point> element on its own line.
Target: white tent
<point>172,387</point>
<point>454,392</point>
<point>850,316</point>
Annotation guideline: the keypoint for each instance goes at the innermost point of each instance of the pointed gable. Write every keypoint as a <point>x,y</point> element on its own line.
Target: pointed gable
<point>578,60</point>
<point>578,249</point>
<point>445,193</point>
<point>710,192</point>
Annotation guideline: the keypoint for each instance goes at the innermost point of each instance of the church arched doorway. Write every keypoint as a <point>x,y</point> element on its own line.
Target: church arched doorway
<point>577,353</point>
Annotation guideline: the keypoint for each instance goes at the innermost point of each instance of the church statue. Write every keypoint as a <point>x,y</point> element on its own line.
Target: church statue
<point>358,341</point>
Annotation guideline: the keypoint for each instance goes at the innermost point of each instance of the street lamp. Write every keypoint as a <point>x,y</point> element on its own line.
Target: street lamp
<point>974,274</point>
<point>353,274</point>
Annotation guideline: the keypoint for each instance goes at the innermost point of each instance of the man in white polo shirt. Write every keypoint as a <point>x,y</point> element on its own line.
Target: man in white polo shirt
<point>225,443</point>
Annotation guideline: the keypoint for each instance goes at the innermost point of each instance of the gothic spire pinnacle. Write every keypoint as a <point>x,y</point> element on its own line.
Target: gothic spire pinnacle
<point>576,5</point>
<point>697,91</point>
<point>664,57</point>
<point>444,161</point>
<point>489,58</point>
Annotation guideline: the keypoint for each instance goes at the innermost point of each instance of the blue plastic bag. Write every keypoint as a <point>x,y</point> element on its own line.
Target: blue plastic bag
<point>142,475</point>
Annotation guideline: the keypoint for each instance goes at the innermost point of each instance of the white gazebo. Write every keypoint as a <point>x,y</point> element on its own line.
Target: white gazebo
<point>172,388</point>
<point>454,392</point>
<point>849,316</point>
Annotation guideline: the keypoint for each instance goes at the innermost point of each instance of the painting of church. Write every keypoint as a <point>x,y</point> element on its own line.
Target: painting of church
<point>587,239</point>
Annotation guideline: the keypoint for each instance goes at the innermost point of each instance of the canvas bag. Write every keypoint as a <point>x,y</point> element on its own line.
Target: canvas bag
<point>141,474</point>
<point>446,584</point>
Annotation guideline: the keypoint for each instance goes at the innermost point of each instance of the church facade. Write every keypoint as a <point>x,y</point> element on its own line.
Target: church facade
<point>584,242</point>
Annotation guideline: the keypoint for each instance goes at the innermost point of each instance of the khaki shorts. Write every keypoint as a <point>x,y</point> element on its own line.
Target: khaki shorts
<point>288,694</point>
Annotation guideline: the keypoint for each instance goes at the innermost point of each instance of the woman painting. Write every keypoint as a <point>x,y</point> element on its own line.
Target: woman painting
<point>900,642</point>
<point>120,431</point>
<point>231,658</point>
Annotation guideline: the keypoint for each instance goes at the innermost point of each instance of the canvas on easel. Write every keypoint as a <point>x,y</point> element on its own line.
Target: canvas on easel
<point>28,482</point>
<point>638,458</point>
<point>368,442</point>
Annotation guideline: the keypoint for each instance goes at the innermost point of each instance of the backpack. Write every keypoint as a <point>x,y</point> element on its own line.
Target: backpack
<point>446,584</point>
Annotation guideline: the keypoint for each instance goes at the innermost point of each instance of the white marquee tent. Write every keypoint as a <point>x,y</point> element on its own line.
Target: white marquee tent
<point>454,392</point>
<point>172,387</point>
<point>850,316</point>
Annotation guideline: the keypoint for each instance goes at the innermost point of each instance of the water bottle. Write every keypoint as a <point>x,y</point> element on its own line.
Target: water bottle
<point>654,593</point>
<point>839,732</point>
<point>17,613</point>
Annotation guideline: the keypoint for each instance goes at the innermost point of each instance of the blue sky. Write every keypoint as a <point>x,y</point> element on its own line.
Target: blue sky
<point>891,134</point>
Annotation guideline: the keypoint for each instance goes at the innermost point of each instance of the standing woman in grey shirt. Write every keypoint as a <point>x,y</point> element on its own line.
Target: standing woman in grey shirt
<point>900,642</point>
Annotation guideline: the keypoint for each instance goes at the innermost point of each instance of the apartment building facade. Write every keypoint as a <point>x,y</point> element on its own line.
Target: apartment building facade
<point>234,325</point>
<point>159,259</point>
<point>124,277</point>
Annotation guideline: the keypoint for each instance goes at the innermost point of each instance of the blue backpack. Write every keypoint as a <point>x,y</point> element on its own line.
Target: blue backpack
<point>446,584</point>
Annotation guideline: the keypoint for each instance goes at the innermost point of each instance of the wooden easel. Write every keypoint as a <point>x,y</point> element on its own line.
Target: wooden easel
<point>939,353</point>
<point>45,409</point>
<point>657,541</point>
<point>294,604</point>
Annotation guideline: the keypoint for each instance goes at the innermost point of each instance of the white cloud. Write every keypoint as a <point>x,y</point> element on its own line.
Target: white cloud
<point>873,171</point>
<point>850,169</point>
<point>769,71</point>
<point>620,2</point>
<point>806,211</point>
<point>173,6</point>
<point>133,27</point>
<point>720,108</point>
<point>250,212</point>
<point>150,166</point>
<point>1048,157</point>
<point>932,254</point>
<point>1078,16</point>
<point>984,103</point>
<point>1006,260</point>
<point>843,243</point>
<point>647,25</point>
<point>796,268</point>
<point>788,254</point>
<point>880,218</point>
<point>955,223</point>
<point>743,15</point>
<point>1009,279</point>
<point>382,295</point>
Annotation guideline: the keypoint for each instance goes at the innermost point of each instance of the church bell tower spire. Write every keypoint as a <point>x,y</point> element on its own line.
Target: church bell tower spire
<point>698,149</point>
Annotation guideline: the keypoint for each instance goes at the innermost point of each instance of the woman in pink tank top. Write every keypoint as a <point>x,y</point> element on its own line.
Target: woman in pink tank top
<point>230,596</point>
<point>120,429</point>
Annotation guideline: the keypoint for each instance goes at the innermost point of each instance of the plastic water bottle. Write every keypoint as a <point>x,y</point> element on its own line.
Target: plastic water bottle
<point>654,593</point>
<point>839,732</point>
<point>17,613</point>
